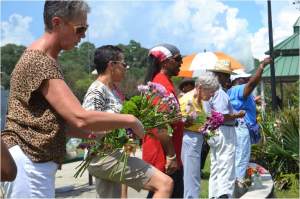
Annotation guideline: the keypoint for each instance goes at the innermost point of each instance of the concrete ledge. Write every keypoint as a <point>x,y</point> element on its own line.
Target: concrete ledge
<point>264,191</point>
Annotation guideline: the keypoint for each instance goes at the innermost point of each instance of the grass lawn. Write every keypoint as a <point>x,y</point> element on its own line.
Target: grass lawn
<point>293,193</point>
<point>204,181</point>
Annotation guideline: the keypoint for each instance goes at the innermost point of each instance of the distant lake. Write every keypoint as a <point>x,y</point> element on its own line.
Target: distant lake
<point>4,98</point>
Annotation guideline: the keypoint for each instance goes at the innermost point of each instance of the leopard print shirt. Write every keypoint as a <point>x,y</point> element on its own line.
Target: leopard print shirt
<point>31,122</point>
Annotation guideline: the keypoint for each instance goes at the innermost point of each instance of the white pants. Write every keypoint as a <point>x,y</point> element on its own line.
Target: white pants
<point>34,180</point>
<point>222,168</point>
<point>243,150</point>
<point>191,159</point>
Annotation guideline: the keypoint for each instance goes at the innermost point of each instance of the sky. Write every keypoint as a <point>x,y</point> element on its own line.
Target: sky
<point>236,27</point>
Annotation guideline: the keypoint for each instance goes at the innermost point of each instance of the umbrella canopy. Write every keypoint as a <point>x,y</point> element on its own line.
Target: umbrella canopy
<point>194,64</point>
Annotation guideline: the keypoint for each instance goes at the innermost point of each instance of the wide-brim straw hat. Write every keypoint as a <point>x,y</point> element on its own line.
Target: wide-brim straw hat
<point>222,66</point>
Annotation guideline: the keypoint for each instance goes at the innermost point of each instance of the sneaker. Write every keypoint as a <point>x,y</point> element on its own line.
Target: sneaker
<point>240,189</point>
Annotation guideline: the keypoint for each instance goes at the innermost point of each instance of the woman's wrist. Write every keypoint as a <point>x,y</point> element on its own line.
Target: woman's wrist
<point>261,66</point>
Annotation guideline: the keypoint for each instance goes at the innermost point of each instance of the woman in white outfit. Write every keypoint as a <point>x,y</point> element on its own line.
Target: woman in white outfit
<point>222,146</point>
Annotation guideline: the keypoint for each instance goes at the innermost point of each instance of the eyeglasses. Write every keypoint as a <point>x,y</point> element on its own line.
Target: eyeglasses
<point>79,29</point>
<point>122,63</point>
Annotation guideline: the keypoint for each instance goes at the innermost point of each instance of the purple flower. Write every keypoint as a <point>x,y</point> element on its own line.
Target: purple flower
<point>143,88</point>
<point>129,132</point>
<point>213,122</point>
<point>158,88</point>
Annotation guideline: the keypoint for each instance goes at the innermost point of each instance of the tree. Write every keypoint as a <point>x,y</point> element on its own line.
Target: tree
<point>77,65</point>
<point>135,55</point>
<point>10,54</point>
<point>137,58</point>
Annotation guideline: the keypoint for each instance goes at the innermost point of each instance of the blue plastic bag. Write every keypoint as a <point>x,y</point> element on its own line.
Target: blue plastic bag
<point>254,131</point>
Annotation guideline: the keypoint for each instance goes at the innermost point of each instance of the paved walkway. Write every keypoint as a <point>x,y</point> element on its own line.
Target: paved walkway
<point>66,186</point>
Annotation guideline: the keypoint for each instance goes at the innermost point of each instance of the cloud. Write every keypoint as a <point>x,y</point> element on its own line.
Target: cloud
<point>16,30</point>
<point>282,22</point>
<point>107,20</point>
<point>211,25</point>
<point>192,25</point>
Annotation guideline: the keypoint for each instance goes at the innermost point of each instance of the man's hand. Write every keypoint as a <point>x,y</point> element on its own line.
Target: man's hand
<point>265,62</point>
<point>171,166</point>
<point>189,121</point>
<point>241,113</point>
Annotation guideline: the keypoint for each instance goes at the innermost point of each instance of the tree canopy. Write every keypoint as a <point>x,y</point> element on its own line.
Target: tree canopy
<point>77,65</point>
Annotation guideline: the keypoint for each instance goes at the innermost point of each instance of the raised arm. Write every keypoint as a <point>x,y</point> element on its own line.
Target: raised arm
<point>61,98</point>
<point>250,86</point>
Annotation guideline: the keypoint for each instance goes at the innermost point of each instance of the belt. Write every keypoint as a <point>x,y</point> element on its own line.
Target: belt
<point>235,124</point>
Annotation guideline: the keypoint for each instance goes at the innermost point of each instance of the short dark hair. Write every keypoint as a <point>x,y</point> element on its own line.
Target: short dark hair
<point>186,81</point>
<point>66,9</point>
<point>104,54</point>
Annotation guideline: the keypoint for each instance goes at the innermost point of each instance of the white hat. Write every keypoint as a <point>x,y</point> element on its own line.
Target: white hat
<point>239,73</point>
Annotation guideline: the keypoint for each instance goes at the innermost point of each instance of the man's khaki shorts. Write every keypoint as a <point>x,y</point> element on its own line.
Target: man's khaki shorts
<point>137,172</point>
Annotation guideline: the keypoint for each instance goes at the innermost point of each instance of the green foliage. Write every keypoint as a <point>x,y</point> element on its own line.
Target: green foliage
<point>5,80</point>
<point>10,54</point>
<point>290,94</point>
<point>81,86</point>
<point>176,81</point>
<point>133,78</point>
<point>77,66</point>
<point>291,193</point>
<point>136,57</point>
<point>287,181</point>
<point>132,106</point>
<point>279,150</point>
<point>81,57</point>
<point>256,63</point>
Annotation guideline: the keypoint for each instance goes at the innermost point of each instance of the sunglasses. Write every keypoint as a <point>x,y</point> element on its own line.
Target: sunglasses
<point>79,29</point>
<point>122,63</point>
<point>178,58</point>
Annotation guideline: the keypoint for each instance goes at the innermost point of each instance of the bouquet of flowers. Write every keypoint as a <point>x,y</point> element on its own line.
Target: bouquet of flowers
<point>253,175</point>
<point>212,123</point>
<point>208,124</point>
<point>154,107</point>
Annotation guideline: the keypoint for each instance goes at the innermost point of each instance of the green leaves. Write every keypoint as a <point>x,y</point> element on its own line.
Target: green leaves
<point>131,107</point>
<point>279,149</point>
<point>10,54</point>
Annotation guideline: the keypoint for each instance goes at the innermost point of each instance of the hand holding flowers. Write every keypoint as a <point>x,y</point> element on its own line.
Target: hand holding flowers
<point>212,123</point>
<point>154,108</point>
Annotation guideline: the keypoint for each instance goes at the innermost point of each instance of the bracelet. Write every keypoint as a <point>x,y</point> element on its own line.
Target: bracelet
<point>171,158</point>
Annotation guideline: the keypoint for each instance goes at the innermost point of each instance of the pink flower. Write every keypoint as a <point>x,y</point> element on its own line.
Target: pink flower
<point>212,123</point>
<point>92,136</point>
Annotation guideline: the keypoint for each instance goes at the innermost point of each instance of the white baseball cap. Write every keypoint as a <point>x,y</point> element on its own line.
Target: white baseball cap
<point>239,74</point>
